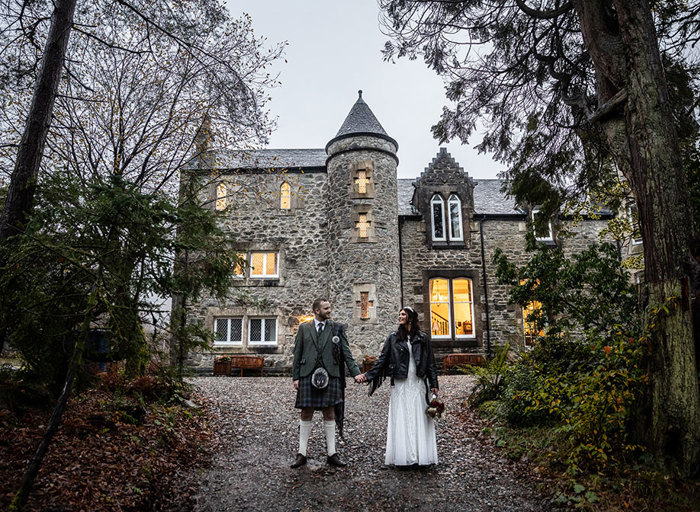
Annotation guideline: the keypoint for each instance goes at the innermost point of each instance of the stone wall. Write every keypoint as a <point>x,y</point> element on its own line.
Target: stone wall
<point>255,222</point>
<point>370,264</point>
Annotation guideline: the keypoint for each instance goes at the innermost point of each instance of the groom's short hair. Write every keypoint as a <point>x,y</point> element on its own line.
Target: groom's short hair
<point>317,303</point>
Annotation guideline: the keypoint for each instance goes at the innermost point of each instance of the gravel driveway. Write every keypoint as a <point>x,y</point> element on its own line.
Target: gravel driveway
<point>258,436</point>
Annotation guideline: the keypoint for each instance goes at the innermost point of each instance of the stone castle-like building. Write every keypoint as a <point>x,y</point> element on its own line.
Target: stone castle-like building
<point>337,223</point>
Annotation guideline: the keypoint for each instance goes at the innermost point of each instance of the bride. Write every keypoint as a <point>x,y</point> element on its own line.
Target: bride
<point>407,359</point>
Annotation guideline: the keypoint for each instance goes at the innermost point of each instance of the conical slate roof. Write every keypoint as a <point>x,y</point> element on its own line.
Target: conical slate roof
<point>361,121</point>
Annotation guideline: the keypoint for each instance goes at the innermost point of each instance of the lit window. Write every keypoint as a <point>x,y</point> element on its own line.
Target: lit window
<point>365,304</point>
<point>529,327</point>
<point>455,206</point>
<point>263,264</point>
<point>634,222</point>
<point>228,331</point>
<point>239,266</point>
<point>363,225</point>
<point>262,331</point>
<point>437,207</point>
<point>361,182</point>
<point>546,236</point>
<point>221,196</point>
<point>285,196</point>
<point>451,308</point>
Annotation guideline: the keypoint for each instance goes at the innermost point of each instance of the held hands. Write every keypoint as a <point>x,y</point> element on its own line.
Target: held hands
<point>360,378</point>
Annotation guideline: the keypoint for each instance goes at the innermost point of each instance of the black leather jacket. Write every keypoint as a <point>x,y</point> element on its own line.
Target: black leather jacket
<point>393,361</point>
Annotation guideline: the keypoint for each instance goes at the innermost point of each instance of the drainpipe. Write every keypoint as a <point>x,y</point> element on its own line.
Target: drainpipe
<point>486,292</point>
<point>401,304</point>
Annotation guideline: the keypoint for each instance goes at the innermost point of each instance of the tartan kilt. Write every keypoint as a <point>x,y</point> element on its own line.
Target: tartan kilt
<point>309,396</point>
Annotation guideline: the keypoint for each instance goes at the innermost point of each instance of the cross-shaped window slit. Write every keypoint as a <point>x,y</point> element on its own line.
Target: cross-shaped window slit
<point>364,304</point>
<point>362,180</point>
<point>363,225</point>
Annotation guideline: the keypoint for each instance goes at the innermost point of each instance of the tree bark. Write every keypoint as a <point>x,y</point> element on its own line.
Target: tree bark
<point>20,195</point>
<point>643,139</point>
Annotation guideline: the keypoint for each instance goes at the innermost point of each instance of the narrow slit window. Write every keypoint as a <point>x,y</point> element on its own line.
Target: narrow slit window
<point>437,207</point>
<point>363,225</point>
<point>361,182</point>
<point>221,196</point>
<point>455,206</point>
<point>285,196</point>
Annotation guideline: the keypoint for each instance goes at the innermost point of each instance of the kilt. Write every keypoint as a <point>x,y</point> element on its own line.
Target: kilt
<point>309,396</point>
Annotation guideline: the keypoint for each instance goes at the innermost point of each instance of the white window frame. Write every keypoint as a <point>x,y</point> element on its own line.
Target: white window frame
<point>549,238</point>
<point>451,303</point>
<point>264,320</point>
<point>437,198</point>
<point>265,254</point>
<point>228,342</point>
<point>454,198</point>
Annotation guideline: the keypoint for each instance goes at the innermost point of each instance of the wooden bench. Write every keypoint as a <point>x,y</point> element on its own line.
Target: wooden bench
<point>455,360</point>
<point>247,363</point>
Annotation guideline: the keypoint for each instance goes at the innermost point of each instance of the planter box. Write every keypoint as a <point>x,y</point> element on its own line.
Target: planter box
<point>222,367</point>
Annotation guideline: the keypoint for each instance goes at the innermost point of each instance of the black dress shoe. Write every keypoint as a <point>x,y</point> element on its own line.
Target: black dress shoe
<point>333,460</point>
<point>299,461</point>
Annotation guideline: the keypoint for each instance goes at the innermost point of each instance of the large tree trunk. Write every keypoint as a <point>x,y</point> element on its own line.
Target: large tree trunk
<point>650,160</point>
<point>20,195</point>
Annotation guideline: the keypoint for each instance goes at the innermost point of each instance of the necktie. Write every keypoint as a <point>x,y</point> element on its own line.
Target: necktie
<point>320,328</point>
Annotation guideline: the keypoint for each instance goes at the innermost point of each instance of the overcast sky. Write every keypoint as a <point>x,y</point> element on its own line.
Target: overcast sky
<point>335,50</point>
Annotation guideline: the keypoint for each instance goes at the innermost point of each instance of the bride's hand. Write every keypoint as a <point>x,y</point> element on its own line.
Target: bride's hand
<point>434,391</point>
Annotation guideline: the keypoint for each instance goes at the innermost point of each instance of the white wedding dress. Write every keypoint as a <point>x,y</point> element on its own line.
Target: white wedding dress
<point>410,434</point>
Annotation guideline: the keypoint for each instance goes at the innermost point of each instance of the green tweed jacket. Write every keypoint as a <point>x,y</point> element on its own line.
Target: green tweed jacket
<point>308,346</point>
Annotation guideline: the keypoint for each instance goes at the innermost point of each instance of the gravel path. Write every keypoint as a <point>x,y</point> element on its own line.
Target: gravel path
<point>258,436</point>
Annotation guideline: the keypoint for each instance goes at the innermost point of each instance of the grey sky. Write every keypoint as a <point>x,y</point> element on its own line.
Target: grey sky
<point>334,50</point>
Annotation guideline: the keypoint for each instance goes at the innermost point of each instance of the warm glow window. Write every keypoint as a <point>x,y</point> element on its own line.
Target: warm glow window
<point>285,196</point>
<point>263,264</point>
<point>363,225</point>
<point>451,308</point>
<point>221,196</point>
<point>361,182</point>
<point>455,210</point>
<point>239,266</point>
<point>437,208</point>
<point>228,331</point>
<point>530,330</point>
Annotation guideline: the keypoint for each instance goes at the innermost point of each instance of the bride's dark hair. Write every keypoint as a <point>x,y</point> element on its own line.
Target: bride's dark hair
<point>404,333</point>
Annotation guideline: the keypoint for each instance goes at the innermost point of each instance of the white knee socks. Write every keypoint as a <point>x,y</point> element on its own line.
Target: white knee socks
<point>304,431</point>
<point>329,429</point>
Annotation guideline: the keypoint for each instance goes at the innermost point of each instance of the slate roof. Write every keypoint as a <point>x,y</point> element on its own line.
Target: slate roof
<point>361,120</point>
<point>488,198</point>
<point>267,159</point>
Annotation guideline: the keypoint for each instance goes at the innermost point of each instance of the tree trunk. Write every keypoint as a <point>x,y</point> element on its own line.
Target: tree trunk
<point>20,195</point>
<point>642,137</point>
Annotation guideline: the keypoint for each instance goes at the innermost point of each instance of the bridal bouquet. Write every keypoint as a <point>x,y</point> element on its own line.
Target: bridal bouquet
<point>435,409</point>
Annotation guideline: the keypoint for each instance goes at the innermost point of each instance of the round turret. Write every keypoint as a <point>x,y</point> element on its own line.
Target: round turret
<point>363,229</point>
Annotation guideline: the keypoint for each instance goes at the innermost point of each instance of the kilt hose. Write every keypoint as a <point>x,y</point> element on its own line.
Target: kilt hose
<point>309,396</point>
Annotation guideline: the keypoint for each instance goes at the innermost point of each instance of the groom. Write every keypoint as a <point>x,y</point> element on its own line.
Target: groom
<point>313,349</point>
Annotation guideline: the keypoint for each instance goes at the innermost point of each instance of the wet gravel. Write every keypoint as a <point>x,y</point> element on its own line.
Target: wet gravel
<point>257,431</point>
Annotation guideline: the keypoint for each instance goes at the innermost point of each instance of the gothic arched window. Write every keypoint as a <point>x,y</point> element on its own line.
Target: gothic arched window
<point>437,209</point>
<point>455,211</point>
<point>285,196</point>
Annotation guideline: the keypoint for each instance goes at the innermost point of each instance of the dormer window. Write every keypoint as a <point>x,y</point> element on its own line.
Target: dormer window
<point>542,235</point>
<point>221,196</point>
<point>285,196</point>
<point>455,209</point>
<point>437,209</point>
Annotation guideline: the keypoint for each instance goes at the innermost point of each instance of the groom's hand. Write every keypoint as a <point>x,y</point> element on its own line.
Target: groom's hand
<point>360,378</point>
<point>296,385</point>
